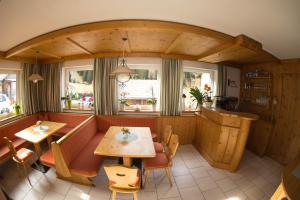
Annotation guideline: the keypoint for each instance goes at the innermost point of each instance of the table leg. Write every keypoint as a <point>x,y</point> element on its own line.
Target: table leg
<point>127,161</point>
<point>49,140</point>
<point>38,149</point>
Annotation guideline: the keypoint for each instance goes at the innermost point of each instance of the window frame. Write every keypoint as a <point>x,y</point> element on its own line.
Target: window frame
<point>65,82</point>
<point>12,115</point>
<point>157,67</point>
<point>213,76</point>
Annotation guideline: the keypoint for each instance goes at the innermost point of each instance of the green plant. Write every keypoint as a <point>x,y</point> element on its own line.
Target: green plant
<point>124,101</point>
<point>152,101</point>
<point>197,95</point>
<point>17,108</point>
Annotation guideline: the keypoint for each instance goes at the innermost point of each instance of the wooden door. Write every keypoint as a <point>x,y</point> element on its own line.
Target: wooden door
<point>285,145</point>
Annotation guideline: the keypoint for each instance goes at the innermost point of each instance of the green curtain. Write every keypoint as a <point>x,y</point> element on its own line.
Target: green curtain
<point>222,72</point>
<point>105,88</point>
<point>44,95</point>
<point>171,87</point>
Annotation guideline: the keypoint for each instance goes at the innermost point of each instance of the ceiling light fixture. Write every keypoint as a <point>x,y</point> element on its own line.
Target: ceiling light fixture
<point>35,77</point>
<point>122,73</point>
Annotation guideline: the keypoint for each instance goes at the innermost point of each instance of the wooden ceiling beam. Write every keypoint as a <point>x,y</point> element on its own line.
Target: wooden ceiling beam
<point>46,53</point>
<point>78,46</point>
<point>174,43</point>
<point>116,24</point>
<point>214,50</point>
<point>2,54</point>
<point>119,54</point>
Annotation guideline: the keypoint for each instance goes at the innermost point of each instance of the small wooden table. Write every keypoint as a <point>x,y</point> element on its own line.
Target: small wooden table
<point>36,137</point>
<point>140,147</point>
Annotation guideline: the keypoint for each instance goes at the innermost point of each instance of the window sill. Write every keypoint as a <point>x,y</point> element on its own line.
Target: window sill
<point>142,112</point>
<point>76,110</point>
<point>10,119</point>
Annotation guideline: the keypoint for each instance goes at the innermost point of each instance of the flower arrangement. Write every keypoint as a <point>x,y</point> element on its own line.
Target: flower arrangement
<point>207,93</point>
<point>125,131</point>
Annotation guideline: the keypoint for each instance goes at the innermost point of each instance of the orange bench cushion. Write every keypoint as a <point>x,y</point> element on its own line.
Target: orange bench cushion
<point>48,159</point>
<point>86,162</point>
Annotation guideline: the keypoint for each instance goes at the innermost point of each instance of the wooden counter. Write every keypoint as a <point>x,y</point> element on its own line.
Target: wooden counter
<point>221,136</point>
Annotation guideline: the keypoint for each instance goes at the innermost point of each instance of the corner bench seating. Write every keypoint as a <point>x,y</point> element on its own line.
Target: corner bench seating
<point>9,129</point>
<point>74,153</point>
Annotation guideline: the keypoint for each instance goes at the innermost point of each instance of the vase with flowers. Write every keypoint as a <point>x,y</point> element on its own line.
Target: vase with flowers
<point>207,96</point>
<point>197,96</point>
<point>125,132</point>
<point>152,101</point>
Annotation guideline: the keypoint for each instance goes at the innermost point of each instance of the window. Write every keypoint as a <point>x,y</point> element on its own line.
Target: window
<point>78,93</point>
<point>8,93</point>
<point>141,90</point>
<point>195,77</point>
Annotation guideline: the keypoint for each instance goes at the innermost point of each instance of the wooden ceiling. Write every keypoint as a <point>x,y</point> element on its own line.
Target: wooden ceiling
<point>145,38</point>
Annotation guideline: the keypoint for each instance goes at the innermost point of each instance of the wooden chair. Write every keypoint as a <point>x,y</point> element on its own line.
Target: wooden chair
<point>160,147</point>
<point>123,180</point>
<point>162,160</point>
<point>21,157</point>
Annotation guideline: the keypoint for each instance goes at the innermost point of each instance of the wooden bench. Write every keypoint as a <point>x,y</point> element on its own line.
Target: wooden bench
<point>74,153</point>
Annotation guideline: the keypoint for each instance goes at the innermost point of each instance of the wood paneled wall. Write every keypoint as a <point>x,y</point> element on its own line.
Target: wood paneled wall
<point>183,126</point>
<point>284,140</point>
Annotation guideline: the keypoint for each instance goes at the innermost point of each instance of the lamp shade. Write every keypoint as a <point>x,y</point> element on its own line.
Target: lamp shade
<point>122,72</point>
<point>35,78</point>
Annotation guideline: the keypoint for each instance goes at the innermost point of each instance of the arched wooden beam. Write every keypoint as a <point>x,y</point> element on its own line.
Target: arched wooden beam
<point>116,24</point>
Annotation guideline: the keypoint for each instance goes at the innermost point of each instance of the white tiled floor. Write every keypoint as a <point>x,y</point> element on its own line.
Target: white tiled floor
<point>194,179</point>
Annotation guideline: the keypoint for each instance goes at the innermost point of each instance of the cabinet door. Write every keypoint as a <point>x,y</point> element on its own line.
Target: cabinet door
<point>259,136</point>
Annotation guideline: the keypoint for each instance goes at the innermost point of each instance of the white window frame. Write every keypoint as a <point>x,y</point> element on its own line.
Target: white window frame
<point>146,66</point>
<point>64,79</point>
<point>18,86</point>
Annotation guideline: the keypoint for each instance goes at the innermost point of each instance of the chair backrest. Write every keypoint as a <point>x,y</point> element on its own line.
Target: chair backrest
<point>173,146</point>
<point>167,134</point>
<point>12,149</point>
<point>122,177</point>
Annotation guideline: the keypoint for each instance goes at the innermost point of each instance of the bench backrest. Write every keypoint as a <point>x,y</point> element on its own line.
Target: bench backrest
<point>9,130</point>
<point>72,143</point>
<point>105,121</point>
<point>71,119</point>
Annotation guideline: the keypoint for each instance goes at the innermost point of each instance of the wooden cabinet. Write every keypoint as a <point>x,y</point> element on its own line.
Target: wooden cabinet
<point>221,136</point>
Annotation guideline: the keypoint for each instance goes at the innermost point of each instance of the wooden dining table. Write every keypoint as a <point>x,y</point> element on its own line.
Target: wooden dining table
<point>138,144</point>
<point>36,135</point>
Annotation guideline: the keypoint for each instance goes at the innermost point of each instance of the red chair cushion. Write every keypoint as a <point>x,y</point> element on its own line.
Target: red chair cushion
<point>86,162</point>
<point>48,159</point>
<point>160,161</point>
<point>159,148</point>
<point>17,142</point>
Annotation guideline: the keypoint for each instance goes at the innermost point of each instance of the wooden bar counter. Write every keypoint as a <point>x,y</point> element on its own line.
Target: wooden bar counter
<point>221,136</point>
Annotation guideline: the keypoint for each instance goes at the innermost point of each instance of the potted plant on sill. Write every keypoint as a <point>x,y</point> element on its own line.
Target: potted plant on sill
<point>152,101</point>
<point>17,109</point>
<point>197,96</point>
<point>123,103</point>
<point>207,99</point>
<point>68,101</point>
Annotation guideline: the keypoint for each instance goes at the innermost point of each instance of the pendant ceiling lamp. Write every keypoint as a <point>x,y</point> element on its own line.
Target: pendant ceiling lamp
<point>122,73</point>
<point>35,77</point>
